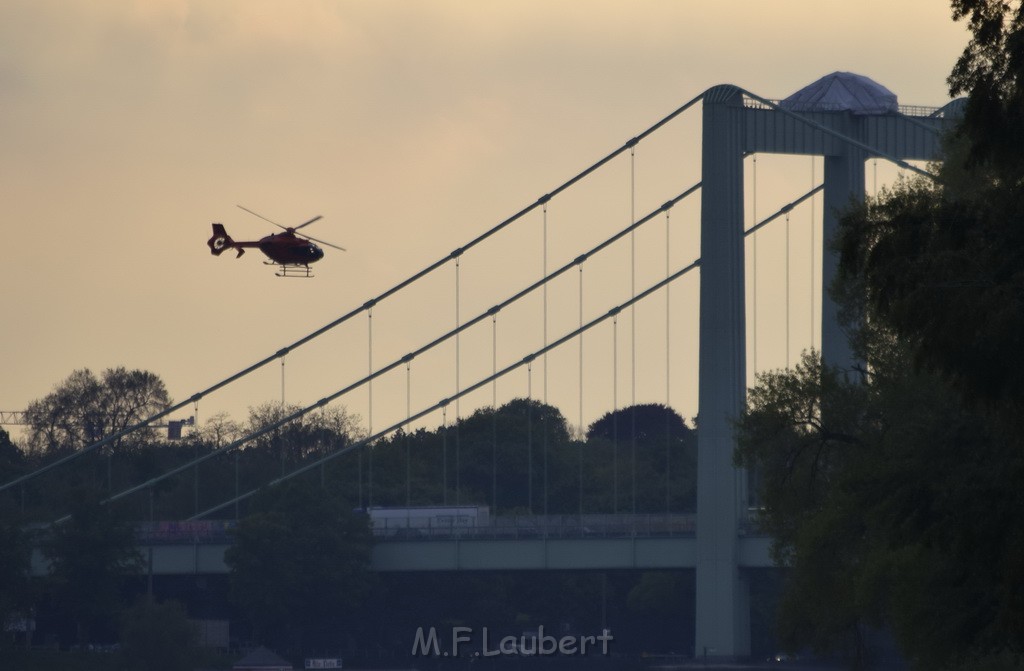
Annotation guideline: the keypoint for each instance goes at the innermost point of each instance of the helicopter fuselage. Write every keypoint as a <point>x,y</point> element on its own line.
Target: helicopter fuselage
<point>285,249</point>
<point>289,249</point>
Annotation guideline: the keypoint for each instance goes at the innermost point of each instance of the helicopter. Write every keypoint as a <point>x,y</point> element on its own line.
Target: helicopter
<point>292,251</point>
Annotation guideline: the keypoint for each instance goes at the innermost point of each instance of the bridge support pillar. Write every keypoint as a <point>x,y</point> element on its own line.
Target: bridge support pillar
<point>729,131</point>
<point>844,184</point>
<point>722,617</point>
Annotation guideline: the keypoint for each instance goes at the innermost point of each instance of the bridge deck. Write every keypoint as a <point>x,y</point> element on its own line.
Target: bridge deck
<point>561,554</point>
<point>521,543</point>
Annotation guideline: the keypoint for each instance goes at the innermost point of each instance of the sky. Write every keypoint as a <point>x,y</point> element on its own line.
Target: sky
<point>128,126</point>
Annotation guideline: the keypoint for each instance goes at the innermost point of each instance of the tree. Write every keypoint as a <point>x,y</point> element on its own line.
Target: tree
<point>505,447</point>
<point>991,71</point>
<point>311,435</point>
<point>943,263</point>
<point>15,563</point>
<point>646,450</point>
<point>893,500</point>
<point>220,429</point>
<point>891,503</point>
<point>91,555</point>
<point>930,499</point>
<point>157,637</point>
<point>495,456</point>
<point>646,422</point>
<point>299,566</point>
<point>84,409</point>
<point>897,501</point>
<point>12,459</point>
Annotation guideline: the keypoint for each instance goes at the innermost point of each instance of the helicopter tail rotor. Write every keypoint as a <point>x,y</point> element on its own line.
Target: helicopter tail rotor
<point>221,241</point>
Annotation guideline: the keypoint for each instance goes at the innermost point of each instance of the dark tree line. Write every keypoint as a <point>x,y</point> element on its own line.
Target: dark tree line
<point>520,458</point>
<point>517,458</point>
<point>301,554</point>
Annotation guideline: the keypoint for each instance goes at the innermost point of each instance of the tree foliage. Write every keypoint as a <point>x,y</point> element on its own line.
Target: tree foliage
<point>90,556</point>
<point>157,637</point>
<point>991,72</point>
<point>895,504</point>
<point>520,458</point>
<point>84,408</point>
<point>895,499</point>
<point>649,457</point>
<point>645,422</point>
<point>15,563</point>
<point>942,264</point>
<point>299,565</point>
<point>314,433</point>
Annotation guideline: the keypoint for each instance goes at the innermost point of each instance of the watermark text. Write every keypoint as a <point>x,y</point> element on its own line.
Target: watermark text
<point>471,642</point>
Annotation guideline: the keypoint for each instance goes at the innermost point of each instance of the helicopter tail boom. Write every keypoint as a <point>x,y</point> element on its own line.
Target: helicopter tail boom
<point>221,241</point>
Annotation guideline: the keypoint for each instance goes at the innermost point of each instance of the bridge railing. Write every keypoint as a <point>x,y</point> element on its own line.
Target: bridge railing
<point>922,111</point>
<point>505,527</point>
<point>502,527</point>
<point>513,527</point>
<point>203,532</point>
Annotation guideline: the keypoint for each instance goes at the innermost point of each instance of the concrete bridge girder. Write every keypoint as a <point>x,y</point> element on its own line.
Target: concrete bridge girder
<point>587,554</point>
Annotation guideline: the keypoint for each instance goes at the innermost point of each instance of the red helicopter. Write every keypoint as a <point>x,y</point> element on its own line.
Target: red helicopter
<point>292,251</point>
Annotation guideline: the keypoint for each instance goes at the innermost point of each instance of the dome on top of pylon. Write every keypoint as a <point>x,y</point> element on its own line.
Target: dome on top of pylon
<point>843,92</point>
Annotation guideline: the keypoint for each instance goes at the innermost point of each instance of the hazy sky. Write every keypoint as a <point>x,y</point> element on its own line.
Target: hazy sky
<point>127,127</point>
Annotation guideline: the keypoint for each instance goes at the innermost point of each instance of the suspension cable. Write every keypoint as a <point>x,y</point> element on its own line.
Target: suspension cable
<point>546,348</point>
<point>783,210</point>
<point>836,134</point>
<point>568,337</point>
<point>415,277</point>
<point>441,262</point>
<point>437,341</point>
<point>442,405</point>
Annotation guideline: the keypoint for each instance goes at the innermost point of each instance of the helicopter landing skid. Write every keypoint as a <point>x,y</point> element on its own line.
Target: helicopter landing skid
<point>292,271</point>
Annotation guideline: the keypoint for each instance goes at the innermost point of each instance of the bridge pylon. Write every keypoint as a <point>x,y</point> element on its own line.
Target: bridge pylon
<point>736,123</point>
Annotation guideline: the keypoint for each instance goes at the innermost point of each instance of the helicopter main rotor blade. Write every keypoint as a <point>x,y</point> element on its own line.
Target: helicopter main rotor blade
<point>257,214</point>
<point>310,237</point>
<point>314,219</point>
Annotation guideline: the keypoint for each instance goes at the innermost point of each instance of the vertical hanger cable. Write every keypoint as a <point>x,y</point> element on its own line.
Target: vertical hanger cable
<point>668,366</point>
<point>458,383</point>
<point>369,413</point>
